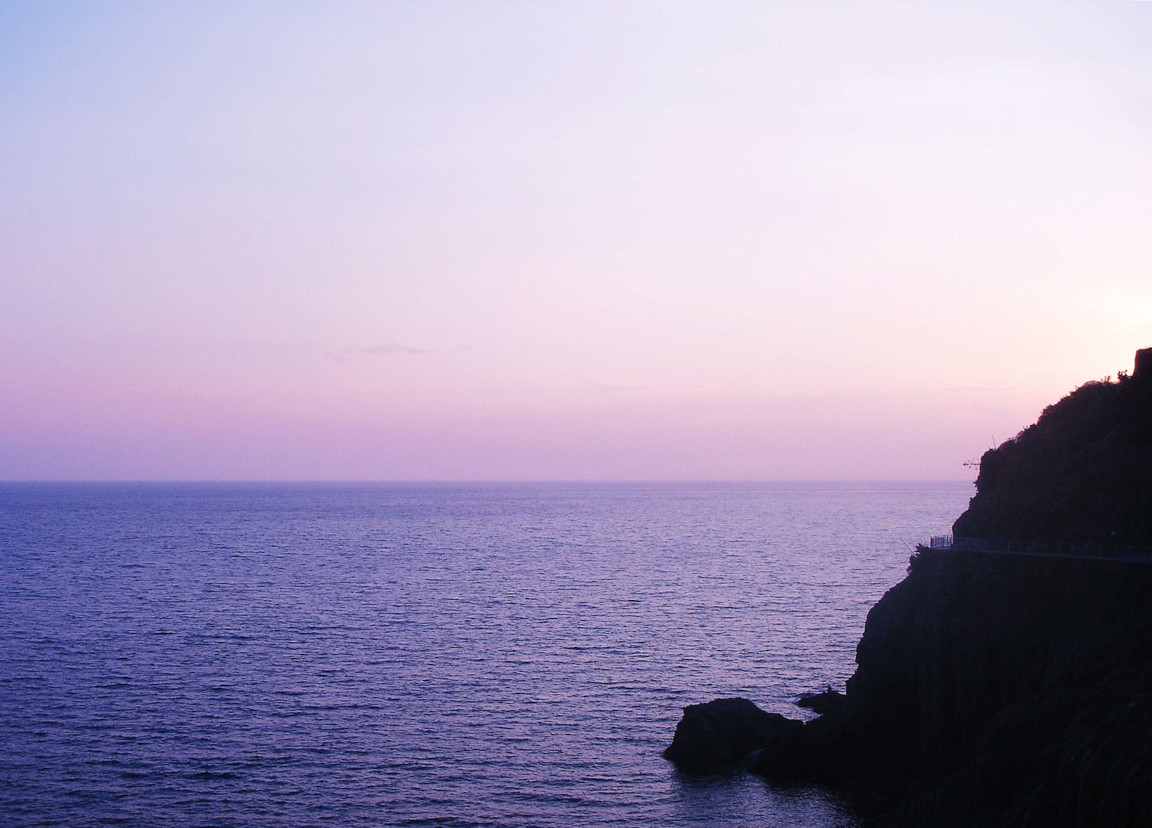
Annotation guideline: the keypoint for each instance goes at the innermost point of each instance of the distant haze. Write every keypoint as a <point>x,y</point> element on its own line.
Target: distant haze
<point>602,240</point>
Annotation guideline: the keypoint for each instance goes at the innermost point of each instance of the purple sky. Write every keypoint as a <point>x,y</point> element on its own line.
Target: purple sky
<point>604,240</point>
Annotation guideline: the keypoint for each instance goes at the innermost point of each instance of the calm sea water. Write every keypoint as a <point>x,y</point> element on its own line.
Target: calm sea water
<point>472,655</point>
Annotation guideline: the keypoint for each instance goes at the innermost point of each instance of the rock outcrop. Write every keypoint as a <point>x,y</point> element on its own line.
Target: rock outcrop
<point>1082,473</point>
<point>1008,690</point>
<point>725,732</point>
<point>1005,690</point>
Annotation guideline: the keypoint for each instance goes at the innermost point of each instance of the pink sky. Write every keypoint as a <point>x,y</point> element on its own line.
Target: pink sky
<point>562,241</point>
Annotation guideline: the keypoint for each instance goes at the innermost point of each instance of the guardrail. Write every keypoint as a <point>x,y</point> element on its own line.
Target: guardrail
<point>1049,548</point>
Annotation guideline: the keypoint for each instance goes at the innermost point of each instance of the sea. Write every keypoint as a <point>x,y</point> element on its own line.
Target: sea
<point>504,654</point>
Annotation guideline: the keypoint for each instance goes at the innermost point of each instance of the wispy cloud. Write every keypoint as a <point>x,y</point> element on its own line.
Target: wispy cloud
<point>389,349</point>
<point>395,348</point>
<point>600,386</point>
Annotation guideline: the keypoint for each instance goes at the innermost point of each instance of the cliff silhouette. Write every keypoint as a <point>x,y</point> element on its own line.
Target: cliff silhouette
<point>1082,473</point>
<point>996,689</point>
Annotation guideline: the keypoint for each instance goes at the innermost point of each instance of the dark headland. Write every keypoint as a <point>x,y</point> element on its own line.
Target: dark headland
<point>1007,680</point>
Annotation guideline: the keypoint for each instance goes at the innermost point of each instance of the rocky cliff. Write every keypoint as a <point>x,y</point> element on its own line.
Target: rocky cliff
<point>1083,472</point>
<point>1004,690</point>
<point>1001,689</point>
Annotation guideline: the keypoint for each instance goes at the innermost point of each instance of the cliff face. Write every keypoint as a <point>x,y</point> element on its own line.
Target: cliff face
<point>1005,690</point>
<point>1017,690</point>
<point>1011,690</point>
<point>1083,472</point>
<point>990,690</point>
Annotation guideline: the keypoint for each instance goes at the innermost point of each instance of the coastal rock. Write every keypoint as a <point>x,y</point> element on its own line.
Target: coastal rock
<point>821,703</point>
<point>721,733</point>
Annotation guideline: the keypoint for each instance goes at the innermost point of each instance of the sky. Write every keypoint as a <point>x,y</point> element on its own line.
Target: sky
<point>562,241</point>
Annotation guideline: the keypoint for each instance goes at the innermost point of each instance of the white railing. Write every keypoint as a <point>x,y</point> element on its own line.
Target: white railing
<point>1047,548</point>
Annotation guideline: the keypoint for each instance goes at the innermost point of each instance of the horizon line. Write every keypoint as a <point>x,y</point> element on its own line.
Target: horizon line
<point>471,481</point>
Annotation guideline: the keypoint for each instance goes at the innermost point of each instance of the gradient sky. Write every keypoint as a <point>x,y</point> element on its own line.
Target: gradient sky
<point>590,240</point>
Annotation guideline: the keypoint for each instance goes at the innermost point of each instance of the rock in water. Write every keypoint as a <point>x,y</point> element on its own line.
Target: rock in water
<point>820,703</point>
<point>720,734</point>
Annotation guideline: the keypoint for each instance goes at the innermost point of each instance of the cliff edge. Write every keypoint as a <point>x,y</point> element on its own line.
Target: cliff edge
<point>1003,689</point>
<point>1082,473</point>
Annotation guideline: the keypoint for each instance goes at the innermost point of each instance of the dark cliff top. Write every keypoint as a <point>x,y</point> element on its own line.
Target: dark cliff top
<point>1083,472</point>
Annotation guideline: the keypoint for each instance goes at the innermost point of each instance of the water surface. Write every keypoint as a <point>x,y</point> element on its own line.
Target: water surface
<point>470,655</point>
